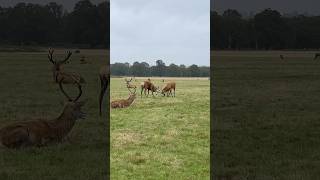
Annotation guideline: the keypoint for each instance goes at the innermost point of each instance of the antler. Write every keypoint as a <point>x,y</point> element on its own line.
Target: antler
<point>68,97</point>
<point>80,92</point>
<point>67,57</point>
<point>50,55</point>
<point>131,91</point>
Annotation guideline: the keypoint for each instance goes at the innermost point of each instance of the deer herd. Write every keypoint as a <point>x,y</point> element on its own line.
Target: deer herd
<point>41,131</point>
<point>146,86</point>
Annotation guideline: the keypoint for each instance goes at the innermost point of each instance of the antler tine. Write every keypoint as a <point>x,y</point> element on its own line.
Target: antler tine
<point>61,88</point>
<point>130,79</point>
<point>80,92</point>
<point>50,51</point>
<point>69,53</point>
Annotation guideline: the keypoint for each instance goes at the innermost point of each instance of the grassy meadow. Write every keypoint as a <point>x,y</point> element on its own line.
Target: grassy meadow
<point>266,118</point>
<point>27,92</point>
<point>161,137</point>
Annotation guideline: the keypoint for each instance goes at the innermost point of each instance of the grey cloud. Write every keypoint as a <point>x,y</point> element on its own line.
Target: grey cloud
<point>174,31</point>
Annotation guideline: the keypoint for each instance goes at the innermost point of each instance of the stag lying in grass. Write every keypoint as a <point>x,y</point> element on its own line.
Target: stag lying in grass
<point>129,85</point>
<point>123,103</point>
<point>104,75</point>
<point>148,85</point>
<point>41,132</point>
<point>168,89</point>
<point>58,73</point>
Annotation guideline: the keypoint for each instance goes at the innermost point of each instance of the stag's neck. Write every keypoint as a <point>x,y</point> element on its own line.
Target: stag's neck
<point>130,100</point>
<point>62,125</point>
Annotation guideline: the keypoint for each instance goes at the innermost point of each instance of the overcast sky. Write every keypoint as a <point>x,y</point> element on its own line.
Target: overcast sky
<point>176,31</point>
<point>312,7</point>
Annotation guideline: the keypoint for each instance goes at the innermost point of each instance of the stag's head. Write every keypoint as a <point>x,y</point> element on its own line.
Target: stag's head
<point>155,89</point>
<point>57,65</point>
<point>73,106</point>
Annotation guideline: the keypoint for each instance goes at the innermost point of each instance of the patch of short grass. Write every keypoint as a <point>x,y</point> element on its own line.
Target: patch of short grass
<point>161,137</point>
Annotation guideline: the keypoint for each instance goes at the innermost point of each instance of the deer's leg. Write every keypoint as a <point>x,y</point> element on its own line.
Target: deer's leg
<point>104,85</point>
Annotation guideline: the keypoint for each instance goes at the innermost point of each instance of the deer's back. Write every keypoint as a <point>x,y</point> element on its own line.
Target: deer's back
<point>34,132</point>
<point>122,103</point>
<point>169,86</point>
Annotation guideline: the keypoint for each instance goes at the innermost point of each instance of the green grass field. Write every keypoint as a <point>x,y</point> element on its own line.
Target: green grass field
<point>266,118</point>
<point>161,137</point>
<point>27,91</point>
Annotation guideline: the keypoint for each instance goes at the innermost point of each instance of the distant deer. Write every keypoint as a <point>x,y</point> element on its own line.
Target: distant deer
<point>148,85</point>
<point>123,103</point>
<point>129,85</point>
<point>83,60</point>
<point>168,89</point>
<point>104,75</point>
<point>281,57</point>
<point>58,73</point>
<point>41,132</point>
<point>316,55</point>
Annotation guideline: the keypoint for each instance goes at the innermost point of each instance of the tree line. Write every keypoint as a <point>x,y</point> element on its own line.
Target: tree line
<point>265,30</point>
<point>33,24</point>
<point>143,69</point>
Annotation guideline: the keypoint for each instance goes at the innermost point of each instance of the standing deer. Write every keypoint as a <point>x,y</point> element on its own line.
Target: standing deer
<point>148,85</point>
<point>129,85</point>
<point>58,73</point>
<point>104,75</point>
<point>168,89</point>
<point>123,103</point>
<point>40,132</point>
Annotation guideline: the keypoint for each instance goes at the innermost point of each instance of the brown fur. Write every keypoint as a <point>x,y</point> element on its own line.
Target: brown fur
<point>148,85</point>
<point>123,103</point>
<point>168,89</point>
<point>41,132</point>
<point>104,75</point>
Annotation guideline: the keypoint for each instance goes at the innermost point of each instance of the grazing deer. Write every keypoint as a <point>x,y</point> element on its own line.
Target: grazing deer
<point>129,85</point>
<point>41,132</point>
<point>316,55</point>
<point>123,103</point>
<point>104,75</point>
<point>168,89</point>
<point>58,73</point>
<point>148,85</point>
